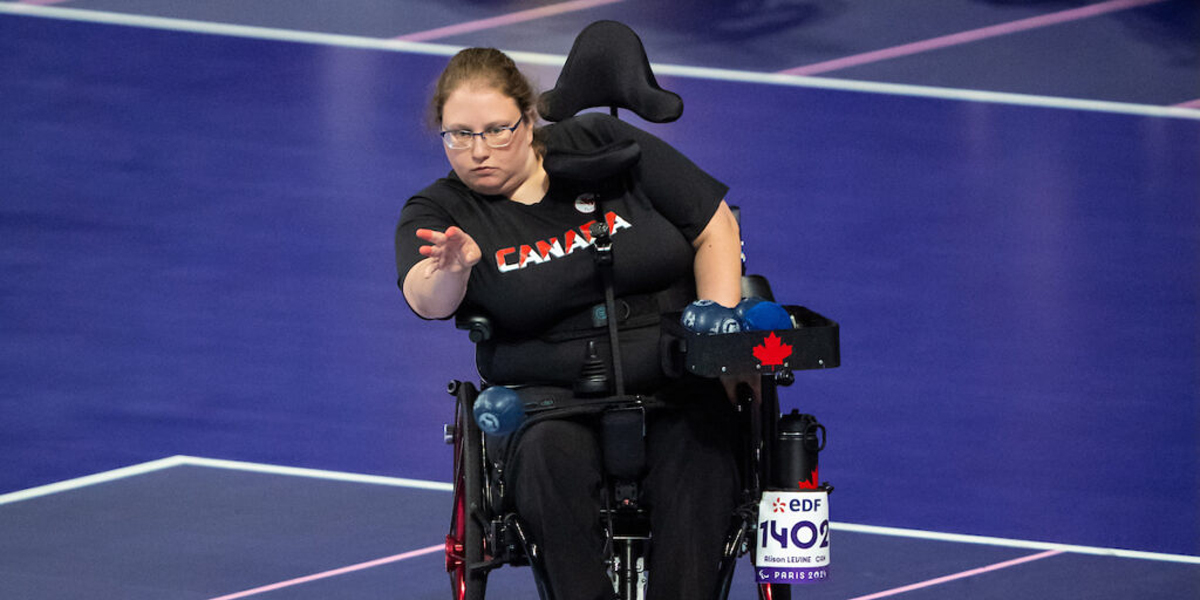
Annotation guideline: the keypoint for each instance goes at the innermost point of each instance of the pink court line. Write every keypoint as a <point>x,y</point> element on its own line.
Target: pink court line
<point>334,573</point>
<point>503,20</point>
<point>964,574</point>
<point>973,35</point>
<point>1193,104</point>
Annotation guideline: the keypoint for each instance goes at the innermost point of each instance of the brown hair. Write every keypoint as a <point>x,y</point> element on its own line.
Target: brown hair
<point>487,67</point>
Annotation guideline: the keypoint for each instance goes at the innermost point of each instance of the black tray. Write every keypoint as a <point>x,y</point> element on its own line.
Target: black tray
<point>812,344</point>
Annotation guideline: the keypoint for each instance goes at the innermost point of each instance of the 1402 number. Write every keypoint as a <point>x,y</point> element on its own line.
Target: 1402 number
<point>801,535</point>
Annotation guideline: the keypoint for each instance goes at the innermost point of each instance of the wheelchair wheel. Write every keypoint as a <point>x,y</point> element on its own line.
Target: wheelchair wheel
<point>465,541</point>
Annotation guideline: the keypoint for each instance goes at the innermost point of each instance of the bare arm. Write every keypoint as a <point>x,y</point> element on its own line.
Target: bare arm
<point>718,262</point>
<point>436,286</point>
<point>718,267</point>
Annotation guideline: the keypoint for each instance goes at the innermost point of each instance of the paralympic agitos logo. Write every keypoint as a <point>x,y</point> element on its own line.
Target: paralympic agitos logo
<point>541,251</point>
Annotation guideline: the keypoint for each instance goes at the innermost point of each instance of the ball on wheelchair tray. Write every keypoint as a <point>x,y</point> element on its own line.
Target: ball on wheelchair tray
<point>745,305</point>
<point>757,314</point>
<point>498,410</point>
<point>706,316</point>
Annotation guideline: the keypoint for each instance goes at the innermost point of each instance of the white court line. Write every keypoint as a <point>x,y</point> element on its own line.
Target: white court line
<point>81,482</point>
<point>920,91</point>
<point>213,463</point>
<point>349,41</point>
<point>177,461</point>
<point>1011,543</point>
<point>225,29</point>
<point>419,484</point>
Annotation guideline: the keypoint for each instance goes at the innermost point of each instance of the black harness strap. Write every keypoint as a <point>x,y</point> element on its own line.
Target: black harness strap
<point>602,246</point>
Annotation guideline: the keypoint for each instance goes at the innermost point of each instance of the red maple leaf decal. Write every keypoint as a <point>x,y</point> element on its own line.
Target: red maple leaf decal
<point>810,484</point>
<point>772,352</point>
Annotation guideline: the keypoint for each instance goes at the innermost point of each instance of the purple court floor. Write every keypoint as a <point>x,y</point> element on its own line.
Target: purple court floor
<point>997,200</point>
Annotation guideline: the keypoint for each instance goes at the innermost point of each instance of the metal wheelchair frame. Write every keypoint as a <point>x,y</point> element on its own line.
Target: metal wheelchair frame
<point>483,534</point>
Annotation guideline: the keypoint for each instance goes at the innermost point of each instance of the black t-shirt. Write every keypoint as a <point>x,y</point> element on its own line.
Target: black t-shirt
<point>537,267</point>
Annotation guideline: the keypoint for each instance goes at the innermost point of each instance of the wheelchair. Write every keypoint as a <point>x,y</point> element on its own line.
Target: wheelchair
<point>608,68</point>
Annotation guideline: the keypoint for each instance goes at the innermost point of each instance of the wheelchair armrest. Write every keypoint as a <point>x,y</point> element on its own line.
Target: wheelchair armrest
<point>477,326</point>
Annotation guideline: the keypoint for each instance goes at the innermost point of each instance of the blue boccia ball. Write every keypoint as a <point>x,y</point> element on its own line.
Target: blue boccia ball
<point>706,316</point>
<point>746,304</point>
<point>498,410</point>
<point>757,314</point>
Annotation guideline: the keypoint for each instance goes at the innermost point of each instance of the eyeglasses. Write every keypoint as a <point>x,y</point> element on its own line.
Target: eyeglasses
<point>495,137</point>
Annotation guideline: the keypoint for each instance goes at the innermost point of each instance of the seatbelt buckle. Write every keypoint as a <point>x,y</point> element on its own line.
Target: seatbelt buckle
<point>600,313</point>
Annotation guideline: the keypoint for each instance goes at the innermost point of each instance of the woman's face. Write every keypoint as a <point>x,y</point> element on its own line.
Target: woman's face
<point>487,170</point>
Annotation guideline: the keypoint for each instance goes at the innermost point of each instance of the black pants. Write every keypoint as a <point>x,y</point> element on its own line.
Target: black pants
<point>690,490</point>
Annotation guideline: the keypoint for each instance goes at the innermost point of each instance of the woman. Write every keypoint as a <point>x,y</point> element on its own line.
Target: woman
<point>502,236</point>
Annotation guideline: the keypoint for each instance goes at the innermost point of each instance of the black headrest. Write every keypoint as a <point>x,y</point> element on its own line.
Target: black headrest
<point>607,67</point>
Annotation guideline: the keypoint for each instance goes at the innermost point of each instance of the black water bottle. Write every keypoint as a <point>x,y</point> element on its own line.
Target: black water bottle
<point>797,446</point>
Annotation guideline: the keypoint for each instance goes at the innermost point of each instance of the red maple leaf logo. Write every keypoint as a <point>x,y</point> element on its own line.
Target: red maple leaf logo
<point>772,352</point>
<point>811,483</point>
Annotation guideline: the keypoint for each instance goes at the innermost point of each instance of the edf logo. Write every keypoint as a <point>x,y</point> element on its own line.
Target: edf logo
<point>796,505</point>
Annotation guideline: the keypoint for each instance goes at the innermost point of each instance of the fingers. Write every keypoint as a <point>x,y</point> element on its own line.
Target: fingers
<point>471,255</point>
<point>470,250</point>
<point>439,238</point>
<point>452,249</point>
<point>430,235</point>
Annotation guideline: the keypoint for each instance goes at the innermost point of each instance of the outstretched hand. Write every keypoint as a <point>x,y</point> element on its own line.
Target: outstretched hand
<point>453,251</point>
